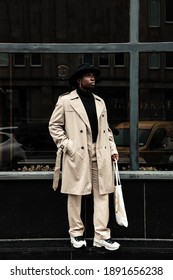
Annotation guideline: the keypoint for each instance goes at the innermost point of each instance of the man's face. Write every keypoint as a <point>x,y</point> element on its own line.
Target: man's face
<point>87,81</point>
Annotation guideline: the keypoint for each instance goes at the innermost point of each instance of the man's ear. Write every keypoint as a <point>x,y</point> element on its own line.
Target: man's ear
<point>79,81</point>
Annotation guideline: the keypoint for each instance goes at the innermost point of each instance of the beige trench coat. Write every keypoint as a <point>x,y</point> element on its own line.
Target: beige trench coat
<point>70,129</point>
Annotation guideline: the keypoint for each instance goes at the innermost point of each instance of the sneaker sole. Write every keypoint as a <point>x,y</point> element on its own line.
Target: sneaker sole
<point>95,244</point>
<point>77,247</point>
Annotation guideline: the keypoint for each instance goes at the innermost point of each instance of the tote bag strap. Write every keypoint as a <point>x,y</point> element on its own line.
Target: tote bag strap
<point>117,175</point>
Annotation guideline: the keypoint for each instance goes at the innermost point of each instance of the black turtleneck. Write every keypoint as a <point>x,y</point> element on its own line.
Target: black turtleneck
<point>88,101</point>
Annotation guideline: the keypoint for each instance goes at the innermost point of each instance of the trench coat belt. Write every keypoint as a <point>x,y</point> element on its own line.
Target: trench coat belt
<point>56,174</point>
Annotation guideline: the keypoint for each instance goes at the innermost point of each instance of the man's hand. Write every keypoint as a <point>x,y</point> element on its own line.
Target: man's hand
<point>115,157</point>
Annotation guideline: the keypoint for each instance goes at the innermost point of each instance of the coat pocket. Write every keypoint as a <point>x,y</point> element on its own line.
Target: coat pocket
<point>70,148</point>
<point>76,155</point>
<point>76,163</point>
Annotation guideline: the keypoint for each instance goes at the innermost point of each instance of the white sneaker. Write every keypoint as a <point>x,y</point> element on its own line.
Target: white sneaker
<point>109,244</point>
<point>78,241</point>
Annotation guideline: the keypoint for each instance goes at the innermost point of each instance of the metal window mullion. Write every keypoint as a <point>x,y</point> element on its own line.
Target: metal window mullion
<point>85,48</point>
<point>134,110</point>
<point>134,85</point>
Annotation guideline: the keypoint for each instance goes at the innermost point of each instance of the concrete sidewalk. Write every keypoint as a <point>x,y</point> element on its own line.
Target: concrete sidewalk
<point>60,249</point>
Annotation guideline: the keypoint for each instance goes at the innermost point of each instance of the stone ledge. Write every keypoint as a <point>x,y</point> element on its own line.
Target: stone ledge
<point>48,175</point>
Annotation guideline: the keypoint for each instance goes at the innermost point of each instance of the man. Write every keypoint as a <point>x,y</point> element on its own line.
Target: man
<point>80,129</point>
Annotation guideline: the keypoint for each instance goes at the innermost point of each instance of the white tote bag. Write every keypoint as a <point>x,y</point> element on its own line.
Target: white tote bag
<point>120,211</point>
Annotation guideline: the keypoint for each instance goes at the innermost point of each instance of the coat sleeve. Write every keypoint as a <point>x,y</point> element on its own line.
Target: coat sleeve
<point>56,125</point>
<point>112,142</point>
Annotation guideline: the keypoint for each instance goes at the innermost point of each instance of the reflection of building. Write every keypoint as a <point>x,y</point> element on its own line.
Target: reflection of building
<point>32,81</point>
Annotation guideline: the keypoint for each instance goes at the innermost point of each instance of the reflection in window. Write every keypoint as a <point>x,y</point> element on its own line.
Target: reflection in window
<point>168,10</point>
<point>104,59</point>
<point>3,59</point>
<point>169,60</point>
<point>19,59</point>
<point>119,59</point>
<point>88,58</point>
<point>35,59</point>
<point>154,13</point>
<point>122,137</point>
<point>158,139</point>
<point>3,137</point>
<point>154,60</point>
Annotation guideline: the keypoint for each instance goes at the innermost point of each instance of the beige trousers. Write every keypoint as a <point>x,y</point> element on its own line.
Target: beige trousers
<point>101,209</point>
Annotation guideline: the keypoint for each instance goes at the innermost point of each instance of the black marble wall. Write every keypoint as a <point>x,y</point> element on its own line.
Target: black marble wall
<point>31,209</point>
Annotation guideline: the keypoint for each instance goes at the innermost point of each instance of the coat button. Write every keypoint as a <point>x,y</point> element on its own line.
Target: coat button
<point>103,115</point>
<point>104,131</point>
<point>82,148</point>
<point>81,131</point>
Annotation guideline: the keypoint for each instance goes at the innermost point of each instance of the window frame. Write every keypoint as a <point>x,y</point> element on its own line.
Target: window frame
<point>120,65</point>
<point>165,60</point>
<point>166,21</point>
<point>149,61</point>
<point>14,61</point>
<point>35,65</point>
<point>104,65</point>
<point>150,10</point>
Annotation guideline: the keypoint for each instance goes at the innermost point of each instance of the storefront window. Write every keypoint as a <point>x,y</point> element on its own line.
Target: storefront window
<point>45,46</point>
<point>155,99</point>
<point>28,96</point>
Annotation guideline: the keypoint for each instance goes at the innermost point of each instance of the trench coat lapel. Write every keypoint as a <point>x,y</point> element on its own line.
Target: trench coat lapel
<point>77,105</point>
<point>99,106</point>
